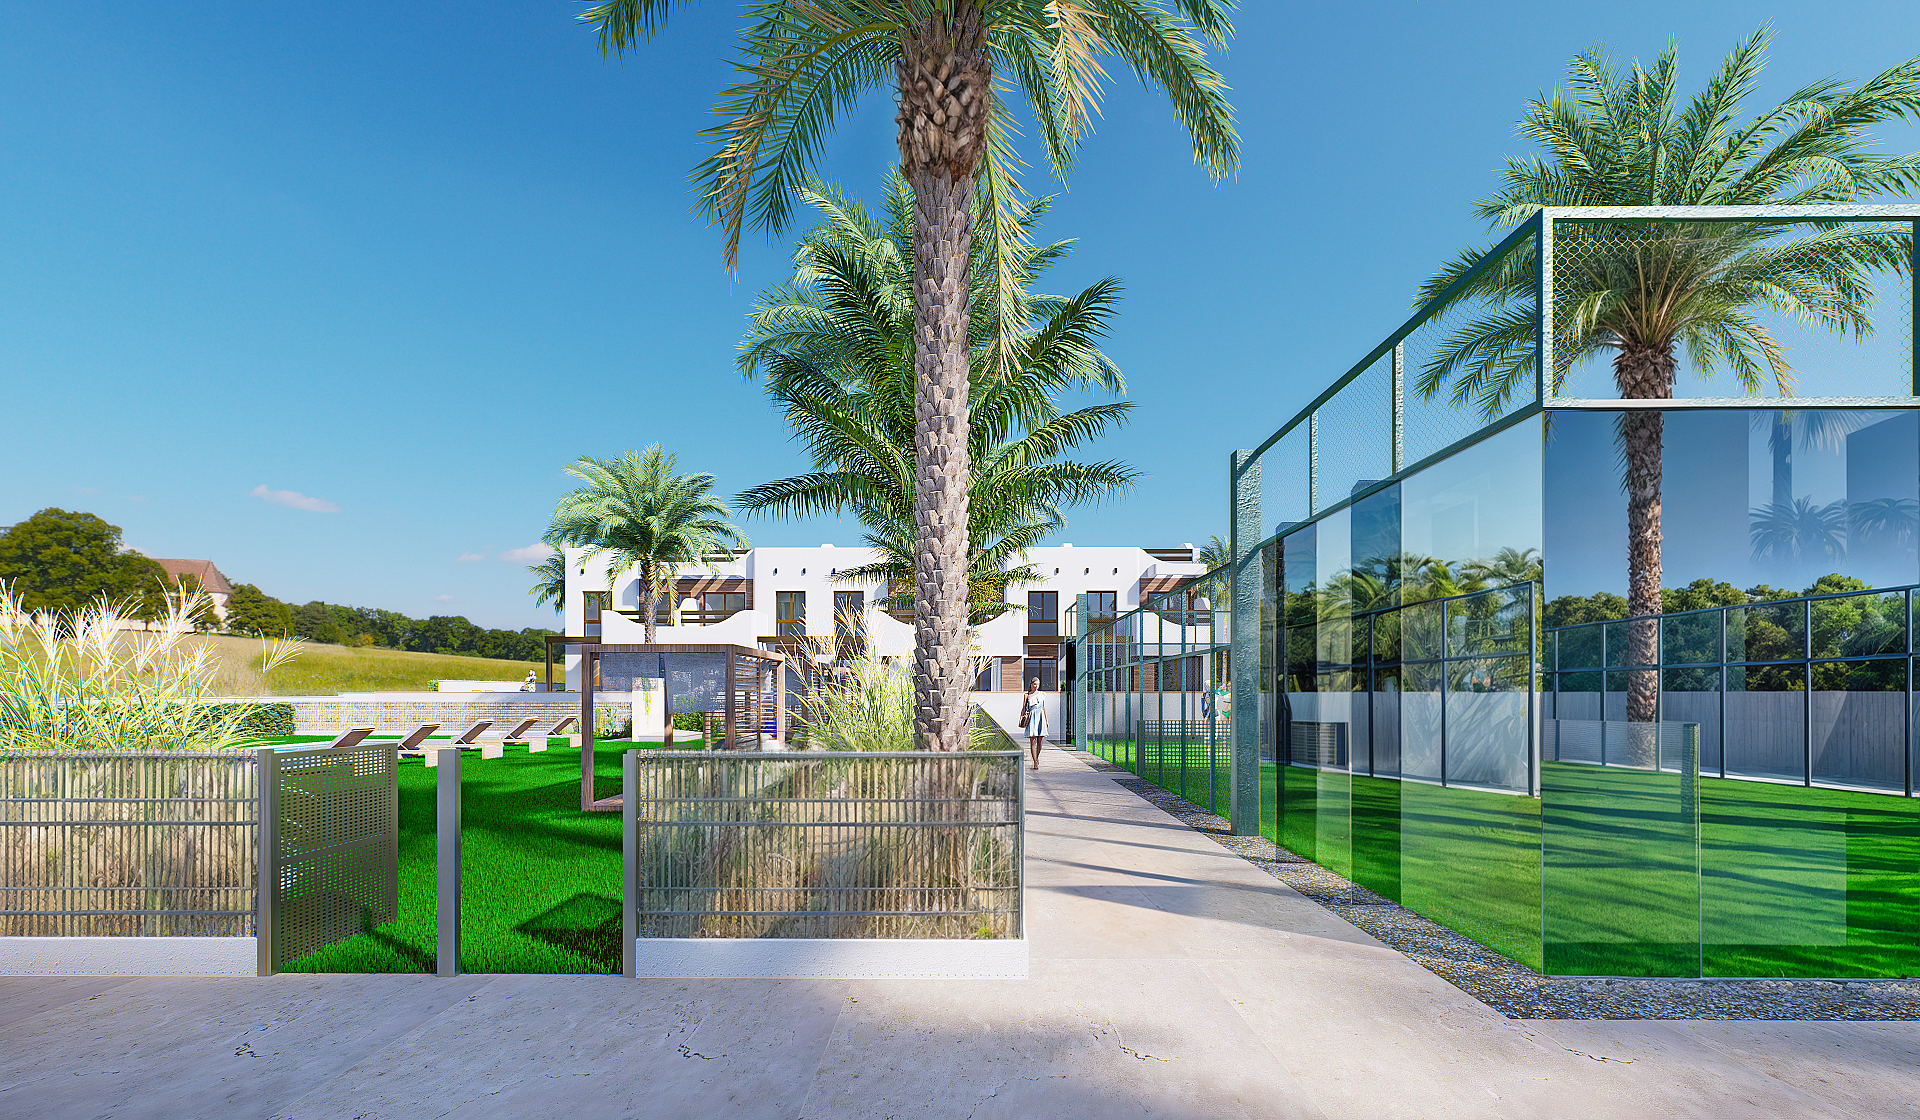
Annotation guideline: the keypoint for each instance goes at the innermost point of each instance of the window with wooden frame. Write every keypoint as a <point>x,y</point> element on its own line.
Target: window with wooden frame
<point>849,614</point>
<point>1102,607</point>
<point>790,614</point>
<point>1043,614</point>
<point>709,608</point>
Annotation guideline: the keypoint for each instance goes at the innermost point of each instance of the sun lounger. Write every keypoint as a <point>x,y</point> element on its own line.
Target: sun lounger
<point>413,745</point>
<point>350,737</point>
<point>493,746</point>
<point>537,741</point>
<point>466,740</point>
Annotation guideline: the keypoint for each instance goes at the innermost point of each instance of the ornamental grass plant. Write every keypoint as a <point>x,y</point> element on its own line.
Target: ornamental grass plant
<point>132,816</point>
<point>848,845</point>
<point>86,681</point>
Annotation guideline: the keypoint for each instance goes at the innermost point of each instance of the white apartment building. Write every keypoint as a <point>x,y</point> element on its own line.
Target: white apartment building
<point>792,598</point>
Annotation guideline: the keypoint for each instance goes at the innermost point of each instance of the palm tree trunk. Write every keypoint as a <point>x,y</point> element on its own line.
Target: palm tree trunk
<point>1643,371</point>
<point>945,94</point>
<point>649,596</point>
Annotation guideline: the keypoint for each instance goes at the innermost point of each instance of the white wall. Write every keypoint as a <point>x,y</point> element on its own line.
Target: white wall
<point>1066,569</point>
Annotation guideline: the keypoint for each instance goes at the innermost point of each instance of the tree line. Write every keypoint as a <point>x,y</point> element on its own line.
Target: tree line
<point>60,560</point>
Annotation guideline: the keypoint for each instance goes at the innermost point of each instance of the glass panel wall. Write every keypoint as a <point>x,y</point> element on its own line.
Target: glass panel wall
<point>1786,567</point>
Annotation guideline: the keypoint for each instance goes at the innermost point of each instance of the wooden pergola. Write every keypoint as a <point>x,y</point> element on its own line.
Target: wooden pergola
<point>740,702</point>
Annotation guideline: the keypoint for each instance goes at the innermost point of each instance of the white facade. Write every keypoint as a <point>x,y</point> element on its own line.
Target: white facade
<point>761,574</point>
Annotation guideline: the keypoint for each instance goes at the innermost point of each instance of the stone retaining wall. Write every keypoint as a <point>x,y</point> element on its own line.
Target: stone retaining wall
<point>399,712</point>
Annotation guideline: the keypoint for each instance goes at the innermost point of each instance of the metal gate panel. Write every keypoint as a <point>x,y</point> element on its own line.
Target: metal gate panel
<point>329,848</point>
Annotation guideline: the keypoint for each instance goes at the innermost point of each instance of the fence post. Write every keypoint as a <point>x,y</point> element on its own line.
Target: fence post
<point>266,788</point>
<point>447,855</point>
<point>630,854</point>
<point>1244,635</point>
<point>1082,671</point>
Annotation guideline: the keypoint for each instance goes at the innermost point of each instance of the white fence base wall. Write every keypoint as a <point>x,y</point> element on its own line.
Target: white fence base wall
<point>798,958</point>
<point>129,956</point>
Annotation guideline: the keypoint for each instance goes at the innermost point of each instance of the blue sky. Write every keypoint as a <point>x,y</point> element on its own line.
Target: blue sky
<point>331,294</point>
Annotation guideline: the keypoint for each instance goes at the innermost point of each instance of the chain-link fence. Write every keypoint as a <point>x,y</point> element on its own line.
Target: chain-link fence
<point>1675,304</point>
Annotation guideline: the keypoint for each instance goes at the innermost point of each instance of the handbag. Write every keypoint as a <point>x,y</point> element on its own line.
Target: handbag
<point>1023,715</point>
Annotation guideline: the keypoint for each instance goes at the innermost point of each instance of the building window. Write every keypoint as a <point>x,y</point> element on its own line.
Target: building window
<point>597,601</point>
<point>712,607</point>
<point>989,678</point>
<point>849,614</point>
<point>1046,668</point>
<point>1043,613</point>
<point>1102,607</point>
<point>790,614</point>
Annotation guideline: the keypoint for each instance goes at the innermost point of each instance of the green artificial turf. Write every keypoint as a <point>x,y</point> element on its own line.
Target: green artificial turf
<point>1612,871</point>
<point>540,879</point>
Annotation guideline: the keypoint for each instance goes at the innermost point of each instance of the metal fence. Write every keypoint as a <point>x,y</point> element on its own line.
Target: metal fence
<point>127,844</point>
<point>1816,689</point>
<point>902,845</point>
<point>329,862</point>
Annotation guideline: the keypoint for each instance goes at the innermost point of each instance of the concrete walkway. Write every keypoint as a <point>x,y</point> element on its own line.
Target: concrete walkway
<point>1170,979</point>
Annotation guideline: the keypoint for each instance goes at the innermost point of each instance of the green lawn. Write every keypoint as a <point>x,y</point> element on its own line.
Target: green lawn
<point>1612,871</point>
<point>540,880</point>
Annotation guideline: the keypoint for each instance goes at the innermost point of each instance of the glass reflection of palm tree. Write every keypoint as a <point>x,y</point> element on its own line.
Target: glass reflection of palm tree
<point>1893,522</point>
<point>1800,529</point>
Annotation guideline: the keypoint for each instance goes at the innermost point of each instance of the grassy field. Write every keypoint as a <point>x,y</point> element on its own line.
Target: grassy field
<point>1613,871</point>
<point>324,670</point>
<point>540,880</point>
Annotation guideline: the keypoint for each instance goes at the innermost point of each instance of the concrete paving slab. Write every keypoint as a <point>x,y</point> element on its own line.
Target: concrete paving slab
<point>1170,979</point>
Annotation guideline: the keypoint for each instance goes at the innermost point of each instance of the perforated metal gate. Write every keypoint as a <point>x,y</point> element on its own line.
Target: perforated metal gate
<point>329,847</point>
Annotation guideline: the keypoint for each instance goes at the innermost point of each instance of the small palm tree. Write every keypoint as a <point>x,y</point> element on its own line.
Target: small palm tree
<point>836,347</point>
<point>946,63</point>
<point>551,582</point>
<point>1657,292</point>
<point>635,510</point>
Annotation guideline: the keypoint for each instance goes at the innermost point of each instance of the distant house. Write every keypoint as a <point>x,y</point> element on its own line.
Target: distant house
<point>208,576</point>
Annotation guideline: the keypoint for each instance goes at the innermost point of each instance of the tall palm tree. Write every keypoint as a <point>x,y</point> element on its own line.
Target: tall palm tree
<point>550,582</point>
<point>808,61</point>
<point>1654,292</point>
<point>836,346</point>
<point>637,512</point>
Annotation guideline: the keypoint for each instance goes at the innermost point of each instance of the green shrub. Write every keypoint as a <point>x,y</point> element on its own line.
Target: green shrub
<point>687,721</point>
<point>256,721</point>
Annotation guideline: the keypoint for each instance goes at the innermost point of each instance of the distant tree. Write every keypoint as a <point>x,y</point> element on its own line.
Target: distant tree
<point>1573,610</point>
<point>61,560</point>
<point>252,611</point>
<point>316,623</point>
<point>1700,595</point>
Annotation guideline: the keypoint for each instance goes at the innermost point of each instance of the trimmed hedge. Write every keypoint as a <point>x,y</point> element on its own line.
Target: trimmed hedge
<point>264,721</point>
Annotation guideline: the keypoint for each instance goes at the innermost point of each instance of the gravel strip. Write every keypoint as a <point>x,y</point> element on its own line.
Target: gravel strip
<point>1515,990</point>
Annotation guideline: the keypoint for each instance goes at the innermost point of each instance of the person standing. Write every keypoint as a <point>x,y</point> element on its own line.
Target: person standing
<point>1033,717</point>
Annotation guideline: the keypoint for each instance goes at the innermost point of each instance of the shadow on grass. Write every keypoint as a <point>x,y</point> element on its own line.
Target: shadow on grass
<point>587,924</point>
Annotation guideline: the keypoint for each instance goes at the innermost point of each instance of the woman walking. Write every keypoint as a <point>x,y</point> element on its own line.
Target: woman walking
<point>1033,717</point>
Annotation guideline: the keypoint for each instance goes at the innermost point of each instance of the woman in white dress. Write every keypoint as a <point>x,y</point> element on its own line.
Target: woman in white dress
<point>1033,717</point>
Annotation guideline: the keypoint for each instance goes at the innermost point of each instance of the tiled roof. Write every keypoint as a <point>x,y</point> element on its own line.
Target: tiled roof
<point>203,570</point>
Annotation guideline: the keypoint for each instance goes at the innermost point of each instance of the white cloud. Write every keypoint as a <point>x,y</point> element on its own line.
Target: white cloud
<point>470,558</point>
<point>294,499</point>
<point>532,554</point>
<point>84,491</point>
<point>443,598</point>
